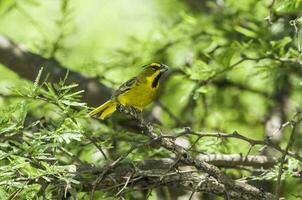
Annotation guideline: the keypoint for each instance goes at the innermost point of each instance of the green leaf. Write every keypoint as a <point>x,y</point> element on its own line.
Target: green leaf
<point>225,57</point>
<point>72,103</point>
<point>200,70</point>
<point>3,194</point>
<point>245,31</point>
<point>69,136</point>
<point>280,45</point>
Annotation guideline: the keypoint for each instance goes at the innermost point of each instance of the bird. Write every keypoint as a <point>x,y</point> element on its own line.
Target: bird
<point>137,93</point>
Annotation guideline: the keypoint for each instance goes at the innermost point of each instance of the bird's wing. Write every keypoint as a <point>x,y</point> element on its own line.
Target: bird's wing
<point>125,87</point>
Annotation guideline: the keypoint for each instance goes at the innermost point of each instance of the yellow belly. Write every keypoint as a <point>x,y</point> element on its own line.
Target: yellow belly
<point>139,96</point>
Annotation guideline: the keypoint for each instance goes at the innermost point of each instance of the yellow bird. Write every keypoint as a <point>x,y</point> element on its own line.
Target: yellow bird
<point>137,92</point>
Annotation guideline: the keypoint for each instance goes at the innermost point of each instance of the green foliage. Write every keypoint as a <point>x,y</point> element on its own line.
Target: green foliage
<point>232,66</point>
<point>29,149</point>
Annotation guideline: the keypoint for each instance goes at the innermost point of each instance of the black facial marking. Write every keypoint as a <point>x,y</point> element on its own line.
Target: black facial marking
<point>155,67</point>
<point>156,80</point>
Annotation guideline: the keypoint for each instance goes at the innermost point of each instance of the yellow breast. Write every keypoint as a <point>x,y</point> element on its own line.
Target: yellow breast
<point>139,96</point>
<point>141,93</point>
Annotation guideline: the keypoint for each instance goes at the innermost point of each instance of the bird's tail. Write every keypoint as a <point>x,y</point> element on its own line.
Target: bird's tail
<point>104,110</point>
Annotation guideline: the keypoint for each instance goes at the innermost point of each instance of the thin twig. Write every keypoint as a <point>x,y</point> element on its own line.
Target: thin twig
<point>236,135</point>
<point>72,155</point>
<point>280,171</point>
<point>97,146</point>
<point>111,166</point>
<point>238,188</point>
<point>125,185</point>
<point>194,189</point>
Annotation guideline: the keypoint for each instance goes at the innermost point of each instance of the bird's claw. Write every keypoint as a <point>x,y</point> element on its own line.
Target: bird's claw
<point>134,112</point>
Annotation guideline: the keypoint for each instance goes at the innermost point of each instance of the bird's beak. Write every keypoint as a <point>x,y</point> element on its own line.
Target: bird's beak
<point>163,68</point>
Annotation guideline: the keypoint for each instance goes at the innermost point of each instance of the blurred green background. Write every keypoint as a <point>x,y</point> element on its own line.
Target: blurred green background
<point>234,65</point>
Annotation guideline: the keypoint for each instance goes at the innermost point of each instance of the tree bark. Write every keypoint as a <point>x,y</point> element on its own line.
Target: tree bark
<point>27,65</point>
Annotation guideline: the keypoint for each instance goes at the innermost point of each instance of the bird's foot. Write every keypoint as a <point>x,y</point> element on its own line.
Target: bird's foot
<point>120,108</point>
<point>134,112</point>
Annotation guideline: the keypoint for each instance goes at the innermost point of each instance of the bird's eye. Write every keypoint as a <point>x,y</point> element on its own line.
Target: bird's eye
<point>154,66</point>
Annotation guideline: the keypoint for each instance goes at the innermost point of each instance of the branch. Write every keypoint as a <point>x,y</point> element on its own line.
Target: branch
<point>290,142</point>
<point>235,160</point>
<point>227,160</point>
<point>27,65</point>
<point>150,174</point>
<point>147,179</point>
<point>234,189</point>
<point>266,142</point>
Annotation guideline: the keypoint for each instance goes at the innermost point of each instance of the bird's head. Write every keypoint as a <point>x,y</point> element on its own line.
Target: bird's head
<point>154,68</point>
<point>153,72</point>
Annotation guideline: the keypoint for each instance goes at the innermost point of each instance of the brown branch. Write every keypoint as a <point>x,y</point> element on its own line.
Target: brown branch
<point>235,160</point>
<point>151,179</point>
<point>150,174</point>
<point>226,160</point>
<point>27,65</point>
<point>236,189</point>
<point>266,142</point>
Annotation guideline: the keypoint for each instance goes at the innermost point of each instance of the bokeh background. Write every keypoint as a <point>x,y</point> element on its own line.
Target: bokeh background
<point>234,66</point>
